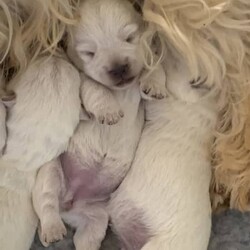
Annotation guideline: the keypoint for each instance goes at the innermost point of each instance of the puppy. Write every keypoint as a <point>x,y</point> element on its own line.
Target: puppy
<point>163,202</point>
<point>40,124</point>
<point>78,186</point>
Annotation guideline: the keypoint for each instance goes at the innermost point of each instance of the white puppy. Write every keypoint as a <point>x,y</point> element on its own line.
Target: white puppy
<point>163,202</point>
<point>39,127</point>
<point>106,45</point>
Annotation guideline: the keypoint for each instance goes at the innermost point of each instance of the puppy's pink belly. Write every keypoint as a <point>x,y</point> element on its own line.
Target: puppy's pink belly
<point>84,179</point>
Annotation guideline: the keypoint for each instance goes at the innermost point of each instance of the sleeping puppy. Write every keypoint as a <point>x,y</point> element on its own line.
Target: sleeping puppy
<point>163,202</point>
<point>40,124</point>
<point>77,187</point>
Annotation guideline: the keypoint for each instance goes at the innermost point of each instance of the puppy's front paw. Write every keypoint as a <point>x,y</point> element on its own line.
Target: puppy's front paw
<point>153,89</point>
<point>111,118</point>
<point>52,230</point>
<point>109,114</point>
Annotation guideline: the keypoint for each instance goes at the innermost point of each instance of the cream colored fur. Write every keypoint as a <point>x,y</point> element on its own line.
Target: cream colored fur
<point>164,202</point>
<point>105,151</point>
<point>214,36</point>
<point>39,126</point>
<point>30,28</point>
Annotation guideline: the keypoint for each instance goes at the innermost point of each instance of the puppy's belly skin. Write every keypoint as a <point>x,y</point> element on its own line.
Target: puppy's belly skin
<point>86,180</point>
<point>99,156</point>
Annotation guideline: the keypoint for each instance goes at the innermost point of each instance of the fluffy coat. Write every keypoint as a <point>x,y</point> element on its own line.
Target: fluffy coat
<point>214,36</point>
<point>164,202</point>
<point>78,186</point>
<point>39,127</point>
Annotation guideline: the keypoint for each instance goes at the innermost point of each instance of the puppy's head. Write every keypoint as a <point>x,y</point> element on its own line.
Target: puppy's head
<point>107,42</point>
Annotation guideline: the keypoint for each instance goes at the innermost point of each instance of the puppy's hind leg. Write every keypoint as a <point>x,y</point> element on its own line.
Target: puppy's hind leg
<point>90,234</point>
<point>49,185</point>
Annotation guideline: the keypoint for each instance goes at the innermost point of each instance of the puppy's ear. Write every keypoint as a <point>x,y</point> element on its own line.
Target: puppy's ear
<point>8,99</point>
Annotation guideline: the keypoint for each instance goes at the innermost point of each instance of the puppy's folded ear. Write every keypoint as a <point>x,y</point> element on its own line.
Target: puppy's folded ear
<point>8,99</point>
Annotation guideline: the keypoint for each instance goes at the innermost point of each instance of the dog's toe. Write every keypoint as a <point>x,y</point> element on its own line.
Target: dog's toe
<point>52,231</point>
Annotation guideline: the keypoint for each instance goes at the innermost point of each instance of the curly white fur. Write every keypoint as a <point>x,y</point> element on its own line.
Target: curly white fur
<point>214,36</point>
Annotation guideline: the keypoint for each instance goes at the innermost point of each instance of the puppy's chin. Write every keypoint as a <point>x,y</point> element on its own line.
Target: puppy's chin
<point>125,84</point>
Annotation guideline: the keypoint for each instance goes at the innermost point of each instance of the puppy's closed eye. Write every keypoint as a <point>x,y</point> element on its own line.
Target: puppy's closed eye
<point>89,53</point>
<point>130,33</point>
<point>86,50</point>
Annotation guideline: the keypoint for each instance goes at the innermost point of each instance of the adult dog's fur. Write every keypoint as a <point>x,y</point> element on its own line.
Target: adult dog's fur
<point>39,125</point>
<point>6,30</point>
<point>214,35</point>
<point>30,28</point>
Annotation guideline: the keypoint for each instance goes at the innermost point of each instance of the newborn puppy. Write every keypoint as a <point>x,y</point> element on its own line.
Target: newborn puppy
<point>39,125</point>
<point>163,202</point>
<point>106,48</point>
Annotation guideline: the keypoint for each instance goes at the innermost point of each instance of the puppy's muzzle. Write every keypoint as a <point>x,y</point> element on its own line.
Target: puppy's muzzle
<point>119,72</point>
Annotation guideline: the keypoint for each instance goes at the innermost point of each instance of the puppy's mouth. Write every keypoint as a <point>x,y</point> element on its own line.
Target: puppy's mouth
<point>125,82</point>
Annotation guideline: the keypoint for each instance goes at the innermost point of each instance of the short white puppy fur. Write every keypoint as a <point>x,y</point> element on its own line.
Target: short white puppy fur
<point>163,202</point>
<point>40,124</point>
<point>77,186</point>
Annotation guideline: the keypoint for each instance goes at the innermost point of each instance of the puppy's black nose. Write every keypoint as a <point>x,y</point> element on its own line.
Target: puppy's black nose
<point>119,71</point>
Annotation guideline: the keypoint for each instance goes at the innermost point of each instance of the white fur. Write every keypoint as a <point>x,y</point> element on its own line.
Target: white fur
<point>168,183</point>
<point>103,153</point>
<point>40,125</point>
<point>96,49</point>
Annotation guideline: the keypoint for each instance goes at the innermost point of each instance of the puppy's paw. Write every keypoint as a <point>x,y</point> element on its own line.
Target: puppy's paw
<point>111,118</point>
<point>151,89</point>
<point>109,114</point>
<point>52,230</point>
